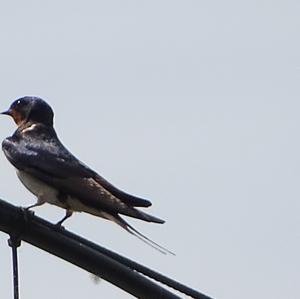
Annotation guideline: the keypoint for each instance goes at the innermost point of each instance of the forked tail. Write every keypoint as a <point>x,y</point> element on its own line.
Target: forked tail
<point>140,236</point>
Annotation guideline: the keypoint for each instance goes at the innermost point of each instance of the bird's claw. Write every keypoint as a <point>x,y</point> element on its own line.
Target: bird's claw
<point>27,214</point>
<point>58,226</point>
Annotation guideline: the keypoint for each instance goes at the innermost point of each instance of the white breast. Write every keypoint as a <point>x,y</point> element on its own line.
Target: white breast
<point>46,193</point>
<point>41,190</point>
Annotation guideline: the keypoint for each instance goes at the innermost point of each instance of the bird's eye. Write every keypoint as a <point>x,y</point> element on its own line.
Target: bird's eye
<point>18,102</point>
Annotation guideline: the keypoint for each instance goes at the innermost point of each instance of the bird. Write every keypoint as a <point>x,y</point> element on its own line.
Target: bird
<point>55,176</point>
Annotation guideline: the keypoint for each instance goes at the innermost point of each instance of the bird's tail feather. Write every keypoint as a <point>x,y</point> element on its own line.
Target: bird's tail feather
<point>140,236</point>
<point>136,213</point>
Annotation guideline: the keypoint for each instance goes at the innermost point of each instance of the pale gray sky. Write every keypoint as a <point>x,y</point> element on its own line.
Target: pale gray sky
<point>192,104</point>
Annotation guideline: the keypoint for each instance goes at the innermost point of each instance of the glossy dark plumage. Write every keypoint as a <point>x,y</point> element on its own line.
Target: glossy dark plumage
<point>47,169</point>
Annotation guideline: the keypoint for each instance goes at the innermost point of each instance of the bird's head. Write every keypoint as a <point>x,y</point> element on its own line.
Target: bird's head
<point>30,109</point>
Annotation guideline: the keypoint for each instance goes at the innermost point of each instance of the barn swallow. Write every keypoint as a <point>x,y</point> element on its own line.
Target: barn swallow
<point>55,176</point>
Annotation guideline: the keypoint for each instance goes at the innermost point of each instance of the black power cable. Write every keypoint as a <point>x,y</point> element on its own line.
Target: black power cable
<point>140,268</point>
<point>102,262</point>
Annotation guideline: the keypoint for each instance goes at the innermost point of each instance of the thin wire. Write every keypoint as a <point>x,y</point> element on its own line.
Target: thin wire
<point>138,267</point>
<point>14,243</point>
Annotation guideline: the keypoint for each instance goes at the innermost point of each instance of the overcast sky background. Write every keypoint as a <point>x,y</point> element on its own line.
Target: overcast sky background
<point>192,104</point>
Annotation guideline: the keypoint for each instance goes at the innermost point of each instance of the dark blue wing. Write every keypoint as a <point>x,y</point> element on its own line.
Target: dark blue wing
<point>50,159</point>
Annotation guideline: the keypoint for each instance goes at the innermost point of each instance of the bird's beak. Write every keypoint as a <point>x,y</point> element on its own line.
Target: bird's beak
<point>8,112</point>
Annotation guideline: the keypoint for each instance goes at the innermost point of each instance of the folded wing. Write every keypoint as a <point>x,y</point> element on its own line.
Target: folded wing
<point>54,165</point>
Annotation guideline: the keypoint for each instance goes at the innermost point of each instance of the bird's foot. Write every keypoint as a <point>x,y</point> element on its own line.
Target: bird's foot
<point>59,223</point>
<point>58,226</point>
<point>27,214</point>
